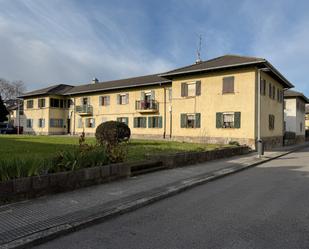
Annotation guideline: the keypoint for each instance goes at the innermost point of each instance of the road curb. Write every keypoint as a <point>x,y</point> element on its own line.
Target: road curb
<point>131,205</point>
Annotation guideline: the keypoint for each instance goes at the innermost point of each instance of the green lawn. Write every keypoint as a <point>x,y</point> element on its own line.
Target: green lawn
<point>12,146</point>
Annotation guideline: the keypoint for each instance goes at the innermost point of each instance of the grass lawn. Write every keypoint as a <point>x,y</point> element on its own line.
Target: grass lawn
<point>12,146</point>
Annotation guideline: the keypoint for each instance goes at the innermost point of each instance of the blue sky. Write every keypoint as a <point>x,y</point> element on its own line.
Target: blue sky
<point>71,41</point>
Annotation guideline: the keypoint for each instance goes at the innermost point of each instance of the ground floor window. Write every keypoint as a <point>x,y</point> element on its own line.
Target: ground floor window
<point>29,123</point>
<point>228,119</point>
<point>41,123</point>
<point>90,122</point>
<point>155,122</point>
<point>140,122</point>
<point>123,120</point>
<point>192,120</point>
<point>56,123</point>
<point>271,122</point>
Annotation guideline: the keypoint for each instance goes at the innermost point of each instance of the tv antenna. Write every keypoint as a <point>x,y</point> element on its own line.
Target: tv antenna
<point>198,51</point>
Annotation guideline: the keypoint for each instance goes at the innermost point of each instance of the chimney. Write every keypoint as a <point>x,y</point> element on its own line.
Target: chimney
<point>95,81</point>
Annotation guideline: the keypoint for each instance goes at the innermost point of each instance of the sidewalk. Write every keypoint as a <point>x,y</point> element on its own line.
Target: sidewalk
<point>38,220</point>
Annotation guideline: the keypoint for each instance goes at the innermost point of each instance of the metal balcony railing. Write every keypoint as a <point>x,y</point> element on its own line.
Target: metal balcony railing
<point>84,109</point>
<point>147,106</point>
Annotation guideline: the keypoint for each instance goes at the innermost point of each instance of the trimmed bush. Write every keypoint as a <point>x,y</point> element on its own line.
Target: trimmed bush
<point>112,132</point>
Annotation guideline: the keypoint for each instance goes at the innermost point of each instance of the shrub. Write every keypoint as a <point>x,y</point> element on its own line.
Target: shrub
<point>112,132</point>
<point>236,143</point>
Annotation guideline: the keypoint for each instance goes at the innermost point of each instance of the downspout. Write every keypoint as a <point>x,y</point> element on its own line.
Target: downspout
<point>164,133</point>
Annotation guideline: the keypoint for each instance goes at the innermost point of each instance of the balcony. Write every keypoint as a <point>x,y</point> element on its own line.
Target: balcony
<point>146,106</point>
<point>84,110</point>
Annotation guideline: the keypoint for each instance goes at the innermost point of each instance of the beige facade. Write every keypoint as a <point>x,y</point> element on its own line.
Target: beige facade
<point>212,107</point>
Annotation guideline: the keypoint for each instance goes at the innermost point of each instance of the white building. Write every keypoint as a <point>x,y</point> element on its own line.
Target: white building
<point>294,113</point>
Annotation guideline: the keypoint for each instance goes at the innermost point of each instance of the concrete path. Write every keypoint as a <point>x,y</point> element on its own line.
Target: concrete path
<point>264,207</point>
<point>37,220</point>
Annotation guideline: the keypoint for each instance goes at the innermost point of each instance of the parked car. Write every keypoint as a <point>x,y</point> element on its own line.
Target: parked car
<point>6,128</point>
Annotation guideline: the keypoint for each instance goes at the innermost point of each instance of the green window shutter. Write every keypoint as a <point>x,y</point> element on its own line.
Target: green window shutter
<point>127,121</point>
<point>118,99</point>
<point>127,98</point>
<point>135,122</point>
<point>160,122</point>
<point>197,120</point>
<point>183,120</point>
<point>142,95</point>
<point>184,89</point>
<point>150,125</point>
<point>152,94</point>
<point>144,122</point>
<point>93,122</point>
<point>198,88</point>
<point>237,120</point>
<point>219,117</point>
<point>118,119</point>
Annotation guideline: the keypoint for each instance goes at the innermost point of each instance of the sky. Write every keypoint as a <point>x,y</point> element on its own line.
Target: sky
<point>46,42</point>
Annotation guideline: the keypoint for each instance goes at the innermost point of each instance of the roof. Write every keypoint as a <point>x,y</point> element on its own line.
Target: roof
<point>59,89</point>
<point>288,94</point>
<point>226,62</point>
<point>118,84</point>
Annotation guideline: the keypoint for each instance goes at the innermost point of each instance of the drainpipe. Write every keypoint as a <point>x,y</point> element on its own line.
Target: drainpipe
<point>164,133</point>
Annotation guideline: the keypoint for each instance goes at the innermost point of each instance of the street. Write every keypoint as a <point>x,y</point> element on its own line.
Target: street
<point>263,207</point>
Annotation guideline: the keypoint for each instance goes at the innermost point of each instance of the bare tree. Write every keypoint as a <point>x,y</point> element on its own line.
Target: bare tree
<point>11,90</point>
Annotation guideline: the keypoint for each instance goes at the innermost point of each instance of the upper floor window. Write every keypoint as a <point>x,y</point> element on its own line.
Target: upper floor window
<point>274,92</point>
<point>30,104</point>
<point>85,101</point>
<point>228,119</point>
<point>263,87</point>
<point>189,89</point>
<point>104,100</point>
<point>41,103</point>
<point>228,84</point>
<point>270,90</point>
<point>123,99</point>
<point>54,102</point>
<point>190,120</point>
<point>170,94</point>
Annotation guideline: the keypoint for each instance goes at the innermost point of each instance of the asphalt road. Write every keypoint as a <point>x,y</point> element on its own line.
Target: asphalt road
<point>263,207</point>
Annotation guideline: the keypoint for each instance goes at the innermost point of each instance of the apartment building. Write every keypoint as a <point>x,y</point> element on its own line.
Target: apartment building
<point>214,101</point>
<point>294,113</point>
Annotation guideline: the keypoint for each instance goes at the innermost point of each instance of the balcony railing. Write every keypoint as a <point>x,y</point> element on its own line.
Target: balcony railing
<point>84,109</point>
<point>147,106</point>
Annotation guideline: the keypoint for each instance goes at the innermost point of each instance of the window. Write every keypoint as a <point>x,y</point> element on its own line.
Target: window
<point>189,89</point>
<point>140,122</point>
<point>271,122</point>
<point>301,127</point>
<point>104,100</point>
<point>281,96</point>
<point>155,122</point>
<point>190,120</point>
<point>228,120</point>
<point>41,123</point>
<point>80,123</point>
<point>30,104</point>
<point>278,95</point>
<point>123,99</point>
<point>41,103</point>
<point>85,101</point>
<point>54,103</point>
<point>263,87</point>
<point>170,94</point>
<point>56,123</point>
<point>123,120</point>
<point>90,122</point>
<point>270,90</point>
<point>274,92</point>
<point>29,123</point>
<point>228,85</point>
